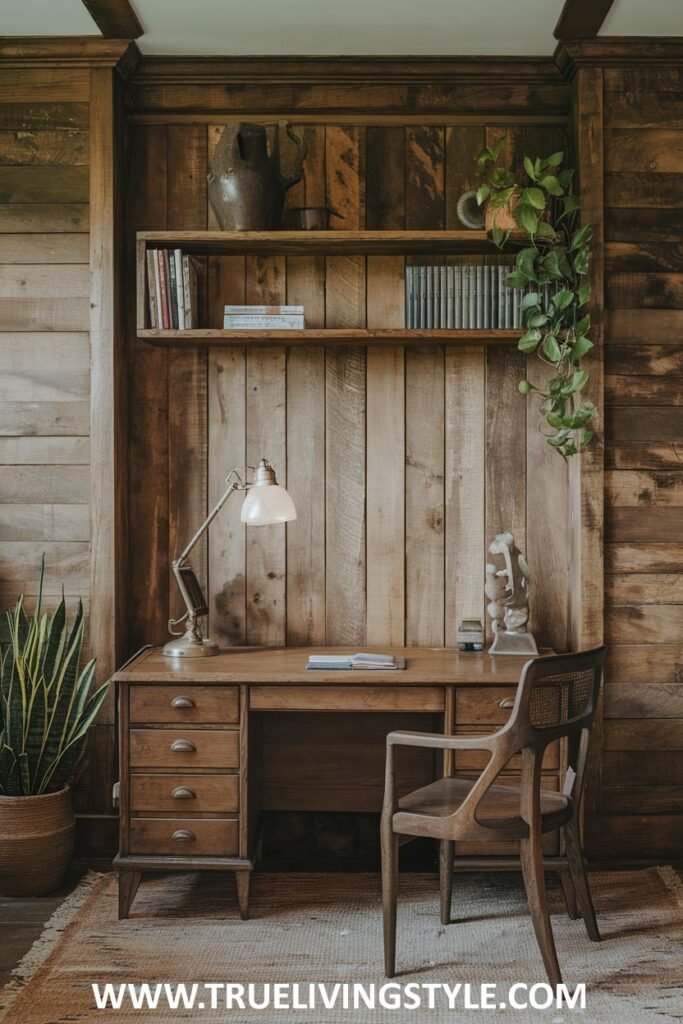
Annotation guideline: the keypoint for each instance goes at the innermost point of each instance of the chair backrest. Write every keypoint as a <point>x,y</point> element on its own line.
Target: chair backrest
<point>556,698</point>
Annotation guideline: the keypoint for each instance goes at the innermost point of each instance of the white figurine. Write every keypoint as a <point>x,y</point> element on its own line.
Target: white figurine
<point>507,589</point>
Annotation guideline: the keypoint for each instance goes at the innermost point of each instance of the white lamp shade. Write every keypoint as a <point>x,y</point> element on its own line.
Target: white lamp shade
<point>266,504</point>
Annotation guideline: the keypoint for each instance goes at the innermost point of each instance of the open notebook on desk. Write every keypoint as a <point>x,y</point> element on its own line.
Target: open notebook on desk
<point>359,662</point>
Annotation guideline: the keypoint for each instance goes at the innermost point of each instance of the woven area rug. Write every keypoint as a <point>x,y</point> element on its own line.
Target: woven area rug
<point>327,928</point>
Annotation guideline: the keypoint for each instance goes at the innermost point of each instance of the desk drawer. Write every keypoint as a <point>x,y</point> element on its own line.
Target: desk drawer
<point>178,705</point>
<point>483,705</point>
<point>349,697</point>
<point>185,837</point>
<point>185,794</point>
<point>184,748</point>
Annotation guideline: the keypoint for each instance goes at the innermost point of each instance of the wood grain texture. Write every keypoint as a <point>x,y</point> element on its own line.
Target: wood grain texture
<point>116,19</point>
<point>632,488</point>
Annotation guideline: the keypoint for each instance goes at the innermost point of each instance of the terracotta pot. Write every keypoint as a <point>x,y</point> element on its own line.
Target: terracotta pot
<point>502,216</point>
<point>36,842</point>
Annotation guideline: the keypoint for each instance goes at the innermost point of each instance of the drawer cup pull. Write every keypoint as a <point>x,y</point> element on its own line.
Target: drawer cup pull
<point>182,702</point>
<point>183,793</point>
<point>182,746</point>
<point>183,835</point>
<point>506,702</point>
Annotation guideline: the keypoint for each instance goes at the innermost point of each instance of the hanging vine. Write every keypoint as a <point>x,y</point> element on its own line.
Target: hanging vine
<point>553,251</point>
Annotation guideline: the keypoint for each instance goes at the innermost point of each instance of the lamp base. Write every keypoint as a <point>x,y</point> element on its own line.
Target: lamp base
<point>190,644</point>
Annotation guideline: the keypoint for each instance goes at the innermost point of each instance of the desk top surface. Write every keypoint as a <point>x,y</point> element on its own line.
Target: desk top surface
<point>275,666</point>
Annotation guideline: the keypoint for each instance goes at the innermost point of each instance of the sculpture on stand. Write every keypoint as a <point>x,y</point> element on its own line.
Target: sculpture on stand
<point>507,588</point>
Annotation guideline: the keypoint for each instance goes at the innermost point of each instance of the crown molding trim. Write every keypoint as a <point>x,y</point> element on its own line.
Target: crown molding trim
<point>617,51</point>
<point>69,51</point>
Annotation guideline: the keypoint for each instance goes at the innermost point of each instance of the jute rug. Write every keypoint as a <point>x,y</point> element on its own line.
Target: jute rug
<point>327,928</point>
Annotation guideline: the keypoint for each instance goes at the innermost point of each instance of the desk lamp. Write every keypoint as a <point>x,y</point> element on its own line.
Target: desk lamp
<point>265,503</point>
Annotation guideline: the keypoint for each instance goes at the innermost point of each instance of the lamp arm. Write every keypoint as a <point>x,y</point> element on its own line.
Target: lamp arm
<point>234,482</point>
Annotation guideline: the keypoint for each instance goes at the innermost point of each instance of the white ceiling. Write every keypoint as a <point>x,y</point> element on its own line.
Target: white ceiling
<point>332,27</point>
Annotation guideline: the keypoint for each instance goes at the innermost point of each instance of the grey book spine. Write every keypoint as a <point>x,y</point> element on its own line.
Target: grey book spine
<point>443,311</point>
<point>429,297</point>
<point>480,296</point>
<point>423,297</point>
<point>457,297</point>
<point>509,298</point>
<point>406,315</point>
<point>465,297</point>
<point>450,287</point>
<point>473,296</point>
<point>515,307</point>
<point>501,296</point>
<point>486,297</point>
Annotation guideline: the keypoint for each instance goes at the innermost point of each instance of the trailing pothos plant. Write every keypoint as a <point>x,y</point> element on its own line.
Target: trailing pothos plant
<point>554,251</point>
<point>47,703</point>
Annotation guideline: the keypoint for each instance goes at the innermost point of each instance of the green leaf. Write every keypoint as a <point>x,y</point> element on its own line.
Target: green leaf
<point>565,177</point>
<point>534,197</point>
<point>558,439</point>
<point>579,379</point>
<point>580,347</point>
<point>525,387</point>
<point>497,237</point>
<point>530,299</point>
<point>563,299</point>
<point>538,320</point>
<point>551,349</point>
<point>529,168</point>
<point>581,262</point>
<point>526,263</point>
<point>516,280</point>
<point>483,193</point>
<point>529,341</point>
<point>525,218</point>
<point>583,326</point>
<point>551,265</point>
<point>546,231</point>
<point>552,185</point>
<point>583,295</point>
<point>555,159</point>
<point>554,420</point>
<point>568,449</point>
<point>586,437</point>
<point>581,237</point>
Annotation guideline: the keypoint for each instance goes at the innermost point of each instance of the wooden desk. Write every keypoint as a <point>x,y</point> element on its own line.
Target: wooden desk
<point>196,738</point>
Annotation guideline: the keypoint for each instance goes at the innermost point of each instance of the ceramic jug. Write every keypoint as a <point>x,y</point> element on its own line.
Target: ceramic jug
<point>246,186</point>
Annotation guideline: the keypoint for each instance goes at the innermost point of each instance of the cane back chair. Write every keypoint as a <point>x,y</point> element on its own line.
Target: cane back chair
<point>556,699</point>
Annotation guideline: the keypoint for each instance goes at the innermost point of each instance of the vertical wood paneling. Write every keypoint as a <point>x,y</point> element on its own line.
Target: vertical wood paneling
<point>306,460</point>
<point>465,431</point>
<point>266,438</point>
<point>148,408</point>
<point>345,395</point>
<point>306,420</point>
<point>425,414</point>
<point>227,450</point>
<point>187,371</point>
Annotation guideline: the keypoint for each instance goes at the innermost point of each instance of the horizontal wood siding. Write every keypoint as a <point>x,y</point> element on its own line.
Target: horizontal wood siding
<point>642,814</point>
<point>44,333</point>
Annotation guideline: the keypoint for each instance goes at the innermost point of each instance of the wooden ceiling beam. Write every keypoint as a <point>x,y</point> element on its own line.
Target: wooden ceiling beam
<point>115,19</point>
<point>582,19</point>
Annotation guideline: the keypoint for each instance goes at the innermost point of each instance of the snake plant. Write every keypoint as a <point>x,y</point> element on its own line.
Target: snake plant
<point>46,706</point>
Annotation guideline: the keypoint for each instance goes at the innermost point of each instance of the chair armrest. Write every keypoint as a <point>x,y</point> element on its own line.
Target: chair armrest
<point>439,742</point>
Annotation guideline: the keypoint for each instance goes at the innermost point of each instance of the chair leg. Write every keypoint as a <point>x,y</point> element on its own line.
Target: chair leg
<point>578,873</point>
<point>569,894</point>
<point>389,897</point>
<point>534,881</point>
<point>446,851</point>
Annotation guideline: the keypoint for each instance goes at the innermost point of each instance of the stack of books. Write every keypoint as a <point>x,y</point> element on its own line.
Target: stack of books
<point>171,290</point>
<point>361,662</point>
<point>462,297</point>
<point>264,318</point>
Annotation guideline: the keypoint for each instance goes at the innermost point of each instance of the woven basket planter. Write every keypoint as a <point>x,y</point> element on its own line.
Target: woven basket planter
<point>36,842</point>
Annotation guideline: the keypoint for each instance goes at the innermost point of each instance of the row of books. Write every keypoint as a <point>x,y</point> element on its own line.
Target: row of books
<point>264,318</point>
<point>171,289</point>
<point>465,297</point>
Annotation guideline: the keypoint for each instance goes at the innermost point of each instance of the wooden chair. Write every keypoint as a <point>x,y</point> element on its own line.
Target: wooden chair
<point>556,698</point>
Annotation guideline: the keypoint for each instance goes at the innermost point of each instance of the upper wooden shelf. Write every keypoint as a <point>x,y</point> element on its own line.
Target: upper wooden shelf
<point>323,243</point>
<point>354,336</point>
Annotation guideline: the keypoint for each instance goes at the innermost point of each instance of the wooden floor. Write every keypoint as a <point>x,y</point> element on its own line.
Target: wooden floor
<point>22,920</point>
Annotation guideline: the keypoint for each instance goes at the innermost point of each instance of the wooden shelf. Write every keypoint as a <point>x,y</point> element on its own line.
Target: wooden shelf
<point>323,243</point>
<point>332,336</point>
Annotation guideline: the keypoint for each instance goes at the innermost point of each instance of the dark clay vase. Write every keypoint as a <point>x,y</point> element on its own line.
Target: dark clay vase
<point>246,186</point>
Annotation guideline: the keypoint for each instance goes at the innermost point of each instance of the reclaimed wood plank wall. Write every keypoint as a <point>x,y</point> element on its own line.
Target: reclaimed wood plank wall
<point>44,333</point>
<point>641,808</point>
<point>403,463</point>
